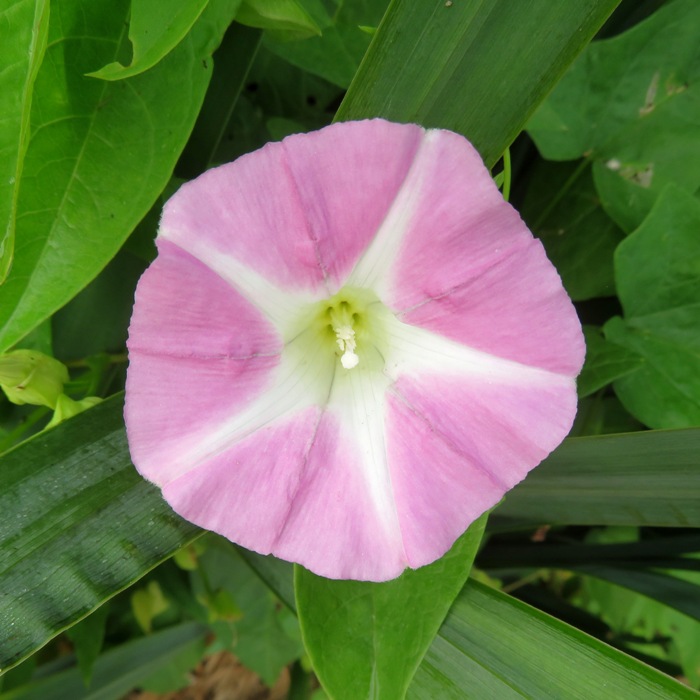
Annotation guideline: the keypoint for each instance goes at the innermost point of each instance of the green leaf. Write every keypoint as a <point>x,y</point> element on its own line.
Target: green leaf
<point>277,574</point>
<point>448,64</point>
<point>155,29</point>
<point>650,626</point>
<point>579,237</point>
<point>87,638</point>
<point>79,525</point>
<point>100,153</point>
<point>119,670</point>
<point>23,31</point>
<point>279,15</point>
<point>646,478</point>
<point>663,587</point>
<point>260,639</point>
<point>147,603</point>
<point>658,280</point>
<point>632,105</point>
<point>233,62</point>
<point>605,362</point>
<point>97,319</point>
<point>493,646</point>
<point>337,53</point>
<point>176,673</point>
<point>366,639</point>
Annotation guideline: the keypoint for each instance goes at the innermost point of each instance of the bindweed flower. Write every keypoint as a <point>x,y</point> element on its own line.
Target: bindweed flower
<point>348,348</point>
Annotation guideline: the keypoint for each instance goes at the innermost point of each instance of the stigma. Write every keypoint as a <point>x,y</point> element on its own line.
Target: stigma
<point>345,337</point>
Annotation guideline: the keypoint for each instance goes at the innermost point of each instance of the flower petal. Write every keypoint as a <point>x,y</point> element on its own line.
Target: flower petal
<point>247,213</point>
<point>467,266</point>
<point>334,526</point>
<point>463,428</point>
<point>190,363</point>
<point>296,488</point>
<point>347,176</point>
<point>284,212</point>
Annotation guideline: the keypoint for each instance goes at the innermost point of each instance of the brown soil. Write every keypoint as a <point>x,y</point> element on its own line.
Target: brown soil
<point>223,677</point>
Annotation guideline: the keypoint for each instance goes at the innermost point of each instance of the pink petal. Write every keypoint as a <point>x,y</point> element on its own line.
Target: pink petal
<point>457,444</point>
<point>468,267</point>
<point>284,211</point>
<point>190,363</point>
<point>183,309</point>
<point>347,176</point>
<point>516,309</point>
<point>293,489</point>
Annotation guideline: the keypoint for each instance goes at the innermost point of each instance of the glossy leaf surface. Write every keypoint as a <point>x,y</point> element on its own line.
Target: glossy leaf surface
<point>23,31</point>
<point>645,478</point>
<point>631,104</point>
<point>447,64</point>
<point>86,525</point>
<point>100,152</point>
<point>493,646</point>
<point>366,639</point>
<point>278,15</point>
<point>155,29</point>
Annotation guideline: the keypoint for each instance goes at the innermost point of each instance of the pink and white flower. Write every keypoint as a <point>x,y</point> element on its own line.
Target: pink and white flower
<point>348,348</point>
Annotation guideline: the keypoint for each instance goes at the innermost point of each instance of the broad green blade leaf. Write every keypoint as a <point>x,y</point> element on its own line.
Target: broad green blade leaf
<point>605,361</point>
<point>24,27</point>
<point>119,670</point>
<point>478,68</point>
<point>366,639</point>
<point>664,587</point>
<point>657,270</point>
<point>100,152</point>
<point>473,654</point>
<point>79,525</point>
<point>645,478</point>
<point>493,646</point>
<point>657,568</point>
<point>631,104</point>
<point>155,29</point>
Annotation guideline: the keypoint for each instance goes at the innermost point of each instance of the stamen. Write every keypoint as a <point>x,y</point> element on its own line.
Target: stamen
<point>345,336</point>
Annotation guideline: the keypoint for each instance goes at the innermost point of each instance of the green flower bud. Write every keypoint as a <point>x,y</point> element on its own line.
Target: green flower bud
<point>29,376</point>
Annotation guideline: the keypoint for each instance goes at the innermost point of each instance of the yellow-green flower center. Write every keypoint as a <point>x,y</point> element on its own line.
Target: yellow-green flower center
<point>349,324</point>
